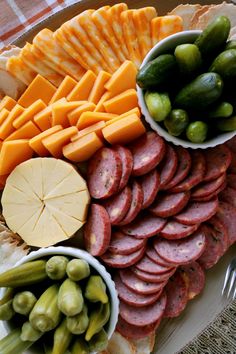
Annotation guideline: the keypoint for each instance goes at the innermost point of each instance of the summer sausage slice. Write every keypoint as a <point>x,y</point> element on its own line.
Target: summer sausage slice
<point>231,180</point>
<point>232,166</point>
<point>136,204</point>
<point>154,256</point>
<point>167,205</point>
<point>183,167</point>
<point>132,298</point>
<point>232,144</point>
<point>195,277</point>
<point>97,230</point>
<point>168,166</point>
<point>177,296</point>
<point>124,244</point>
<point>154,278</point>
<point>137,285</point>
<point>147,265</point>
<point>196,173</point>
<point>126,158</point>
<point>146,315</point>
<point>134,332</point>
<point>174,230</point>
<point>150,185</point>
<point>228,195</point>
<point>197,212</point>
<point>148,151</point>
<point>144,226</point>
<point>118,205</point>
<point>221,232</point>
<point>212,195</point>
<point>182,251</point>
<point>218,160</point>
<point>120,260</point>
<point>207,188</point>
<point>227,214</point>
<point>104,173</point>
<point>213,250</point>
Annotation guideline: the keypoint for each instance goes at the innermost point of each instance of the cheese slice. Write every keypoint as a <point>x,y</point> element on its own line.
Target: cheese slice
<point>3,115</point>
<point>8,103</point>
<point>20,70</point>
<point>164,26</point>
<point>64,89</point>
<point>45,201</point>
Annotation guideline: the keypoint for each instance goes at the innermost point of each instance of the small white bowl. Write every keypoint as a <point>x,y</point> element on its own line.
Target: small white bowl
<point>94,263</point>
<point>162,47</point>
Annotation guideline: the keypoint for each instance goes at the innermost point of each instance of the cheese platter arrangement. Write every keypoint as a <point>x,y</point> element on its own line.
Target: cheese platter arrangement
<point>117,128</point>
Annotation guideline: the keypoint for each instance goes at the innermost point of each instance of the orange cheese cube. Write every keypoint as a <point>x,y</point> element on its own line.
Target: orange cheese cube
<point>96,128</point>
<point>13,153</point>
<point>124,130</point>
<point>82,149</point>
<point>3,115</point>
<point>39,88</point>
<point>64,89</point>
<point>88,118</point>
<point>122,103</point>
<point>60,111</point>
<point>7,102</point>
<point>123,79</point>
<point>27,131</point>
<point>98,87</point>
<point>99,107</point>
<point>42,119</point>
<point>84,106</point>
<point>7,126</point>
<point>29,113</point>
<point>82,90</point>
<point>36,142</point>
<point>55,142</point>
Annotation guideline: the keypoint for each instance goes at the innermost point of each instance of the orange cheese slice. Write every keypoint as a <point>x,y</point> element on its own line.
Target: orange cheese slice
<point>124,130</point>
<point>3,115</point>
<point>27,131</point>
<point>36,142</point>
<point>7,126</point>
<point>88,118</point>
<point>122,103</point>
<point>46,43</point>
<point>99,107</point>
<point>142,22</point>
<point>39,88</point>
<point>96,128</point>
<point>135,110</point>
<point>20,70</point>
<point>43,118</point>
<point>60,111</point>
<point>64,89</point>
<point>82,149</point>
<point>82,89</point>
<point>123,79</point>
<point>55,142</point>
<point>74,115</point>
<point>164,26</point>
<point>29,113</point>
<point>7,102</point>
<point>98,87</point>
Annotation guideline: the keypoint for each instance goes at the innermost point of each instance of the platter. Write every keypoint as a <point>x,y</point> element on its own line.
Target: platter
<point>173,334</point>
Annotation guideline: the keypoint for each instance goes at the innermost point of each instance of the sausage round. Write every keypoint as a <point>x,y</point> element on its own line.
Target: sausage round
<point>150,185</point>
<point>177,296</point>
<point>126,162</point>
<point>168,166</point>
<point>175,230</point>
<point>123,244</point>
<point>122,261</point>
<point>195,277</point>
<point>218,160</point>
<point>136,204</point>
<point>167,205</point>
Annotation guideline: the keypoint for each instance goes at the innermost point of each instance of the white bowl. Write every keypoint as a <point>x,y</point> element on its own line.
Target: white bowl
<point>162,47</point>
<point>94,263</point>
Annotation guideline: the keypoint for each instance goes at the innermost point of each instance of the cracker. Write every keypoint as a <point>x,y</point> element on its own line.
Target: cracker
<point>223,9</point>
<point>186,11</point>
<point>197,14</point>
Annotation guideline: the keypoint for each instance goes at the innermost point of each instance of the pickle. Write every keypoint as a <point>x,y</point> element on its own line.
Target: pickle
<point>77,269</point>
<point>227,124</point>
<point>176,122</point>
<point>158,105</point>
<point>188,57</point>
<point>56,267</point>
<point>99,341</point>
<point>23,302</point>
<point>98,318</point>
<point>70,298</point>
<point>79,323</point>
<point>96,290</point>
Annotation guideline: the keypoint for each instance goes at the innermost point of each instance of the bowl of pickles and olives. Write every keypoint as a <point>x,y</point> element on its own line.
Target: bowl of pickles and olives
<point>186,86</point>
<point>57,300</point>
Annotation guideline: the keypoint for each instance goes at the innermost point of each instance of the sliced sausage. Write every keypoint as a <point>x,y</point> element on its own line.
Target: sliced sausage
<point>197,212</point>
<point>118,205</point>
<point>181,251</point>
<point>104,173</point>
<point>221,232</point>
<point>183,167</point>
<point>231,180</point>
<point>196,173</point>
<point>154,256</point>
<point>132,298</point>
<point>150,185</point>
<point>212,195</point>
<point>195,277</point>
<point>228,195</point>
<point>167,205</point>
<point>148,151</point>
<point>146,315</point>
<point>177,296</point>
<point>144,226</point>
<point>174,230</point>
<point>232,144</point>
<point>147,265</point>
<point>218,160</point>
<point>207,188</point>
<point>137,285</point>
<point>97,230</point>
<point>122,260</point>
<point>168,166</point>
<point>154,278</point>
<point>232,166</point>
<point>227,214</point>
<point>136,204</point>
<point>123,244</point>
<point>213,250</point>
<point>134,332</point>
<point>126,158</point>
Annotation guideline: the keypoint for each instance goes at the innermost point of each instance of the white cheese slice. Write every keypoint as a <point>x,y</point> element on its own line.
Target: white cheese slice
<point>13,195</point>
<point>17,220</point>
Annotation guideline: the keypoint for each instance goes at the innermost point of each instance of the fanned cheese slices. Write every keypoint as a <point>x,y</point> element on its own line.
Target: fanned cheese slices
<point>45,201</point>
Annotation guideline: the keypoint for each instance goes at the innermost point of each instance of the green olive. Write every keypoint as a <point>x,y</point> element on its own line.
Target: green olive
<point>158,104</point>
<point>188,57</point>
<point>227,125</point>
<point>197,132</point>
<point>176,122</point>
